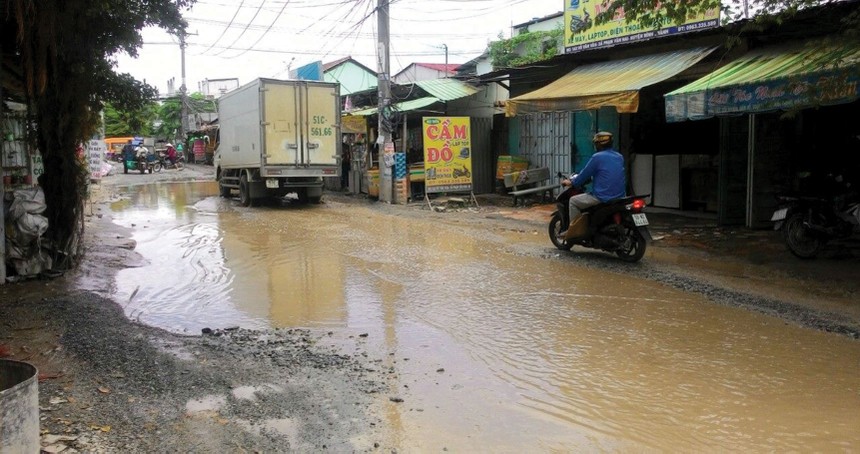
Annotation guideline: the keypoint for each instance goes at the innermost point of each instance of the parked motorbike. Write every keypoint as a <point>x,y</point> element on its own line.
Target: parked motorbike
<point>618,226</point>
<point>808,223</point>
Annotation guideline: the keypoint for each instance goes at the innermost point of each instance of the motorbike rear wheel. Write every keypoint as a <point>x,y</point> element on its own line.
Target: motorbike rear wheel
<point>634,245</point>
<point>555,226</point>
<point>798,238</point>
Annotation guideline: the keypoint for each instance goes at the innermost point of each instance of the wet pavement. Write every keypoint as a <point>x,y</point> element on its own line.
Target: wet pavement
<point>499,341</point>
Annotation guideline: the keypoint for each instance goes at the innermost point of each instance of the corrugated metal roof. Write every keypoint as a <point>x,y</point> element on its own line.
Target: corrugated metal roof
<point>449,68</point>
<point>774,63</point>
<point>447,89</point>
<point>405,106</point>
<point>779,77</point>
<point>613,83</point>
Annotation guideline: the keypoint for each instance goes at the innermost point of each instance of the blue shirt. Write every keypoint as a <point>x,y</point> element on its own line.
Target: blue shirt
<point>607,169</point>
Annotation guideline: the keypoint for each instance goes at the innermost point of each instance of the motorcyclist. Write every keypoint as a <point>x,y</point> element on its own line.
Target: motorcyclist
<point>141,152</point>
<point>606,167</point>
<point>127,155</point>
<point>171,153</point>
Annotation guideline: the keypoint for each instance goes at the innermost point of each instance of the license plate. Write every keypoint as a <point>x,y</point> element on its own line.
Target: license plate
<point>779,215</point>
<point>272,183</point>
<point>639,219</point>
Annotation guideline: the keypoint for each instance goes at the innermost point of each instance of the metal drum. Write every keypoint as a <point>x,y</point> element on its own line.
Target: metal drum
<point>19,407</point>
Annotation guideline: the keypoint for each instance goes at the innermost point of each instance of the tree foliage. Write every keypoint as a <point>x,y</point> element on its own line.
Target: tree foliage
<point>170,112</point>
<point>120,123</point>
<point>525,48</point>
<point>65,49</point>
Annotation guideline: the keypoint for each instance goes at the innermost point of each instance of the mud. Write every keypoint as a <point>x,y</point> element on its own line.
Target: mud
<point>112,384</point>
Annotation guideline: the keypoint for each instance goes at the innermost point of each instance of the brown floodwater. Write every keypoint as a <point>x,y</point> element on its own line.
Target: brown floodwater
<point>493,350</point>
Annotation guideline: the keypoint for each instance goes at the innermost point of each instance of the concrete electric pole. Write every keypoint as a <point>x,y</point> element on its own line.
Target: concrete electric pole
<point>183,121</point>
<point>384,139</point>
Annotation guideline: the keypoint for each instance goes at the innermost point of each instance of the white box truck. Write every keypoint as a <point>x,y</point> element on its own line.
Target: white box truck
<point>278,137</point>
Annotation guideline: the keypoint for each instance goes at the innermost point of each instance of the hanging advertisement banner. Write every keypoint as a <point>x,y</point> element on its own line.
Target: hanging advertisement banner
<point>447,154</point>
<point>581,33</point>
<point>350,124</point>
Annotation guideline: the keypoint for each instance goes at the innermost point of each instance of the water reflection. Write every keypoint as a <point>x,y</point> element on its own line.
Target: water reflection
<point>498,351</point>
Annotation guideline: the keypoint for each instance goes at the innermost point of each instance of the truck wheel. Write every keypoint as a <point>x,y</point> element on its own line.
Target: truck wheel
<point>245,192</point>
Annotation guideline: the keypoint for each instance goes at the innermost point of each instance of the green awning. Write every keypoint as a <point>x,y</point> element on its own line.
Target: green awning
<point>789,76</point>
<point>447,89</point>
<point>405,106</point>
<point>613,83</point>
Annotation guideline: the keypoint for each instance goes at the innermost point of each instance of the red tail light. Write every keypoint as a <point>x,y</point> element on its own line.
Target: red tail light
<point>638,204</point>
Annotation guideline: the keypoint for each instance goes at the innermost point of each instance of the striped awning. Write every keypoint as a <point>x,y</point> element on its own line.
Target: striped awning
<point>613,83</point>
<point>790,76</point>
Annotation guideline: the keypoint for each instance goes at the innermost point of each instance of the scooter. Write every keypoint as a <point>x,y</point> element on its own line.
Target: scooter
<point>618,226</point>
<point>809,222</point>
<point>142,162</point>
<point>164,163</point>
<point>462,173</point>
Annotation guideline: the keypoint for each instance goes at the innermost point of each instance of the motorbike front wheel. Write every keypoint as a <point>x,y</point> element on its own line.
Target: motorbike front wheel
<point>157,166</point>
<point>634,245</point>
<point>555,226</point>
<point>800,241</point>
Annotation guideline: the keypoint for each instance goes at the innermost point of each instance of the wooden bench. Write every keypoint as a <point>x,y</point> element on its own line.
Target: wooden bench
<point>531,181</point>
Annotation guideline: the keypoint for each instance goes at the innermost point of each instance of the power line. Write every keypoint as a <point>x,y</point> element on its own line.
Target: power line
<point>227,27</point>
<point>246,28</point>
<point>317,52</point>
<point>263,35</point>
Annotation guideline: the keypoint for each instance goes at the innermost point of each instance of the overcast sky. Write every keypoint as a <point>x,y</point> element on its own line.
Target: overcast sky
<point>247,39</point>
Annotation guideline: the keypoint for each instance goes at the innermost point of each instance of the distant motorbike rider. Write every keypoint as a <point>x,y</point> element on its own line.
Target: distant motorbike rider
<point>128,151</point>
<point>606,167</point>
<point>171,153</point>
<point>141,152</point>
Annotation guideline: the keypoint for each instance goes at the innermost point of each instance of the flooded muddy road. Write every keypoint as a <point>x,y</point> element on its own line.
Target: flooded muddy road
<point>495,341</point>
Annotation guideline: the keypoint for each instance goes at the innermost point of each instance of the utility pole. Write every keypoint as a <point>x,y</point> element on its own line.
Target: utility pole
<point>446,59</point>
<point>2,190</point>
<point>183,121</point>
<point>384,140</point>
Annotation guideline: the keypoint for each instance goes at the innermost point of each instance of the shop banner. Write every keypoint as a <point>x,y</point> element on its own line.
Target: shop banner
<point>447,154</point>
<point>580,32</point>
<point>353,124</point>
<point>96,151</point>
<point>765,96</point>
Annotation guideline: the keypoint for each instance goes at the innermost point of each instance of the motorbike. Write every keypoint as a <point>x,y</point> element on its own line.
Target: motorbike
<point>164,162</point>
<point>618,226</point>
<point>143,161</point>
<point>462,173</point>
<point>808,223</point>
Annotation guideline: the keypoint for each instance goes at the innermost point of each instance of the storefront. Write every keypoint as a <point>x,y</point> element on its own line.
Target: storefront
<point>556,123</point>
<point>785,112</point>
